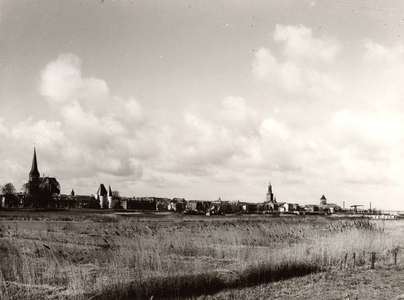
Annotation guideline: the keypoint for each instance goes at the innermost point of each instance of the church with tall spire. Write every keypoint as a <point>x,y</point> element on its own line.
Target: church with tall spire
<point>34,177</point>
<point>38,184</point>
<point>34,173</point>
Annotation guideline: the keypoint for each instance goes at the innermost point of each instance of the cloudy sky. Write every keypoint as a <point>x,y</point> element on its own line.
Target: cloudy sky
<point>201,99</point>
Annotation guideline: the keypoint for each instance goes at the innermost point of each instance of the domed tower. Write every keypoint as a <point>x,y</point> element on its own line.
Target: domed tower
<point>323,200</point>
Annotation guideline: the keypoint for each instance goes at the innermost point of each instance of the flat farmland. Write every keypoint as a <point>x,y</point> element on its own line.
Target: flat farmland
<point>82,254</point>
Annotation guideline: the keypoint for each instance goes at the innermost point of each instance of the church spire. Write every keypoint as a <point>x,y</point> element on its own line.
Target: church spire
<point>34,173</point>
<point>270,195</point>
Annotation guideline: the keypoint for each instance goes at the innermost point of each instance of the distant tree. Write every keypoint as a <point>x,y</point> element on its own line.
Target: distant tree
<point>8,189</point>
<point>25,188</point>
<point>116,204</point>
<point>116,195</point>
<point>116,200</point>
<point>337,208</point>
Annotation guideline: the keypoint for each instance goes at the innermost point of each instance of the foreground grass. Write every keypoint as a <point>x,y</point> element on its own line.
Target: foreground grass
<point>361,283</point>
<point>74,255</point>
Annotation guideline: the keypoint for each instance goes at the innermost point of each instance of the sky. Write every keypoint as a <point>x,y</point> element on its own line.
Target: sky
<point>206,99</point>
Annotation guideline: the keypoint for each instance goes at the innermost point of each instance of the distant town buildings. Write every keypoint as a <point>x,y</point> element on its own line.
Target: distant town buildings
<point>44,192</point>
<point>322,208</point>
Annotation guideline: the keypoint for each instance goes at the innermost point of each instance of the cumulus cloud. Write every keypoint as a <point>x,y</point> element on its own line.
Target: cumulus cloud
<point>264,64</point>
<point>61,82</point>
<point>309,133</point>
<point>86,100</point>
<point>384,129</point>
<point>367,145</point>
<point>235,137</point>
<point>369,135</point>
<point>274,128</point>
<point>301,67</point>
<point>384,67</point>
<point>43,133</point>
<point>24,135</point>
<point>299,43</point>
<point>326,124</point>
<point>286,74</point>
<point>98,127</point>
<point>60,79</point>
<point>377,53</point>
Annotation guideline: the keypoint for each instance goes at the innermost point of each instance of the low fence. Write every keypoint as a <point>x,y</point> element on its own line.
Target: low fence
<point>351,260</point>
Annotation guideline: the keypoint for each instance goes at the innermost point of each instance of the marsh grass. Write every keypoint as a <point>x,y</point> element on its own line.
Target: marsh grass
<point>121,257</point>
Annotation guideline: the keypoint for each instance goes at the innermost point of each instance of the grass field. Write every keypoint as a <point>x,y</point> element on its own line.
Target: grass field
<point>83,254</point>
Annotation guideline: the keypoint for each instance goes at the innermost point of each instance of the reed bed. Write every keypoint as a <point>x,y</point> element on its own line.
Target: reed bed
<point>109,256</point>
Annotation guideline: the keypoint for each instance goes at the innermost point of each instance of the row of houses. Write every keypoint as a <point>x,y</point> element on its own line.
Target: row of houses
<point>220,207</point>
<point>45,192</point>
<point>215,207</point>
<point>105,199</point>
<point>22,200</point>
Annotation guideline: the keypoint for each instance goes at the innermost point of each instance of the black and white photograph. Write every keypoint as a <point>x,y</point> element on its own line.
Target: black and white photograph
<point>207,150</point>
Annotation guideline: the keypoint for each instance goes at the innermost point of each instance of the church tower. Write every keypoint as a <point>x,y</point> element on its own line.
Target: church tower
<point>34,173</point>
<point>270,195</point>
<point>34,177</point>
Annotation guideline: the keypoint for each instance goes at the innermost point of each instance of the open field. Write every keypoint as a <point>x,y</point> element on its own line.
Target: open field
<point>83,254</point>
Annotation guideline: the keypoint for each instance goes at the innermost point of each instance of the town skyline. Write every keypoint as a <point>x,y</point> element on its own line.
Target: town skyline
<point>201,100</point>
<point>27,190</point>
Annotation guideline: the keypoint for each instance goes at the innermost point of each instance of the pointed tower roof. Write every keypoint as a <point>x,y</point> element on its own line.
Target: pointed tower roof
<point>102,191</point>
<point>270,189</point>
<point>34,169</point>
<point>323,198</point>
<point>109,191</point>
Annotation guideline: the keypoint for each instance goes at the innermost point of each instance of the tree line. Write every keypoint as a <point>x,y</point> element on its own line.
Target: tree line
<point>41,197</point>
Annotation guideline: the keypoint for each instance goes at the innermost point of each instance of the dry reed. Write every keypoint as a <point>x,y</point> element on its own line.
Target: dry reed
<point>113,257</point>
